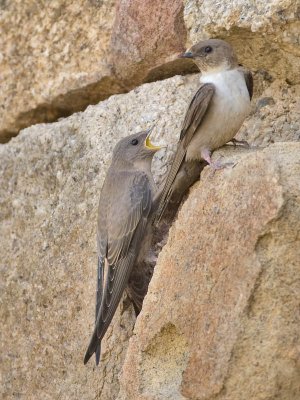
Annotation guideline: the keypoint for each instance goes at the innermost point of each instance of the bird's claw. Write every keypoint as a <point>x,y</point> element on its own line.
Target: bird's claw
<point>217,165</point>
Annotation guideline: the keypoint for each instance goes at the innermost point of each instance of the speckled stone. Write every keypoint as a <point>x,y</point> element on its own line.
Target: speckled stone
<point>51,175</point>
<point>221,317</point>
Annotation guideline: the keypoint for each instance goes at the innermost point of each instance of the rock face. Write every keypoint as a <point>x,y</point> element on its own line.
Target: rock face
<point>221,319</point>
<point>53,60</point>
<point>226,326</point>
<point>146,38</point>
<point>51,176</point>
<point>264,34</point>
<point>62,56</point>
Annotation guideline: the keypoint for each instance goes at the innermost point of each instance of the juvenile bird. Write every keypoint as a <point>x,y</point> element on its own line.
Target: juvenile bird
<point>215,113</point>
<point>125,208</point>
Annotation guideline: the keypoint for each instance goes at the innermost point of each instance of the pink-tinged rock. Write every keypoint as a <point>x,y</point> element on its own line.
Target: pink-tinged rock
<point>147,35</point>
<point>221,318</point>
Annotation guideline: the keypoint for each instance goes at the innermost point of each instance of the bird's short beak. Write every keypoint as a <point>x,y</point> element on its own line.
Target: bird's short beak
<point>187,54</point>
<point>148,143</point>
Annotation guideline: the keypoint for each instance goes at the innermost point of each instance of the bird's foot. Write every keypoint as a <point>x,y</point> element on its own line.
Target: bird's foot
<point>215,165</point>
<point>218,164</point>
<point>242,143</point>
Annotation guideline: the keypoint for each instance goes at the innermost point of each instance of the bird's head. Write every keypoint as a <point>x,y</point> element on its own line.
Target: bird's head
<point>135,148</point>
<point>212,55</point>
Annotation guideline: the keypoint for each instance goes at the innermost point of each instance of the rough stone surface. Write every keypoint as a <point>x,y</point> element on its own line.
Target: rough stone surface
<point>275,115</point>
<point>265,34</point>
<point>226,324</point>
<point>147,36</point>
<point>53,59</point>
<point>60,56</point>
<point>50,178</point>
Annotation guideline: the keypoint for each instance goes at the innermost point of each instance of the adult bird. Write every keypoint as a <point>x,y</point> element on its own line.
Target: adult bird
<point>125,209</point>
<point>215,113</point>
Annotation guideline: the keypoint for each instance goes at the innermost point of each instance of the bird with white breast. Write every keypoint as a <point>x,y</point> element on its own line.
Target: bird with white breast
<point>216,112</point>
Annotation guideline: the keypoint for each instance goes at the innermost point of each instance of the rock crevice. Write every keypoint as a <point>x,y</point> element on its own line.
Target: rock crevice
<point>61,57</point>
<point>221,317</point>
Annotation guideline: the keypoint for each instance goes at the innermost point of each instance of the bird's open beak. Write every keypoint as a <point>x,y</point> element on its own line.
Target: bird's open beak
<point>148,143</point>
<point>187,54</point>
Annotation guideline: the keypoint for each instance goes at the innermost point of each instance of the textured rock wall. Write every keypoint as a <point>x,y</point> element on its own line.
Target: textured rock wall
<point>58,57</point>
<point>53,60</point>
<point>50,180</point>
<point>221,320</point>
<point>51,176</point>
<point>226,324</point>
<point>265,33</point>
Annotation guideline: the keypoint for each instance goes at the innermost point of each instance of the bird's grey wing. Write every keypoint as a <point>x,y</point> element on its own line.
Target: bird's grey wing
<point>194,115</point>
<point>117,279</point>
<point>126,227</point>
<point>102,250</point>
<point>99,295</point>
<point>248,79</point>
<point>196,112</point>
<point>130,210</point>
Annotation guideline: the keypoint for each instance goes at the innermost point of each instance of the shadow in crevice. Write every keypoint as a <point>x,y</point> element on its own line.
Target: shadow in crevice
<point>64,105</point>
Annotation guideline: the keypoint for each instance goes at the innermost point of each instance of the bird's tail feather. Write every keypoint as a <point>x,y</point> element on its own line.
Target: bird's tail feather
<point>94,347</point>
<point>165,195</point>
<point>118,274</point>
<point>97,353</point>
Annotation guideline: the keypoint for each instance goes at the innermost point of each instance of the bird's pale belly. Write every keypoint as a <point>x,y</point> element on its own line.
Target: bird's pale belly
<point>228,109</point>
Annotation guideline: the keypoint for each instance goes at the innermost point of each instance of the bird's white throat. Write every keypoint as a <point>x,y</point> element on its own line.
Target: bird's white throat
<point>218,77</point>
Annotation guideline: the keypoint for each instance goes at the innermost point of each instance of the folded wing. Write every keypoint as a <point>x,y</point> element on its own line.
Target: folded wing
<point>127,215</point>
<point>193,118</point>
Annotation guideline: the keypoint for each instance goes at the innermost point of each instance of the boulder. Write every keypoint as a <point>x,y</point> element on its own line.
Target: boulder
<point>53,60</point>
<point>62,56</point>
<point>226,324</point>
<point>51,175</point>
<point>146,39</point>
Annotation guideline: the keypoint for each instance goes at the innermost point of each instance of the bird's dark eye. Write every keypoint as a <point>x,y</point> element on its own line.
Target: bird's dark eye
<point>208,49</point>
<point>134,142</point>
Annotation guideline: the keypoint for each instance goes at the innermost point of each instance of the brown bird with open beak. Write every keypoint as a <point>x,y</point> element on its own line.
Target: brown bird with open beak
<point>124,230</point>
<point>215,113</point>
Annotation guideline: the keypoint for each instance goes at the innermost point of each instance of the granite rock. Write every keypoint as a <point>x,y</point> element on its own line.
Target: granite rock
<point>146,40</point>
<point>58,57</point>
<point>53,59</point>
<point>50,179</point>
<point>264,34</point>
<point>51,176</point>
<point>226,324</point>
